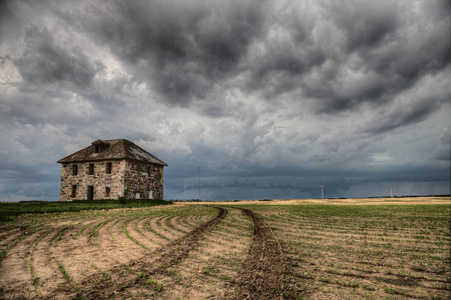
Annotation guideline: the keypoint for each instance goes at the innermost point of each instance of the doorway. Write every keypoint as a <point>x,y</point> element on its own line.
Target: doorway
<point>90,192</point>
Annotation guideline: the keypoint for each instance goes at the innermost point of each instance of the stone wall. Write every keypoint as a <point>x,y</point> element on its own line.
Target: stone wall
<point>138,177</point>
<point>100,181</point>
<point>141,178</point>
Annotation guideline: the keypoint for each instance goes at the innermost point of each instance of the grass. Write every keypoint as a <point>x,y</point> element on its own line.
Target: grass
<point>9,210</point>
<point>125,231</point>
<point>68,278</point>
<point>16,241</point>
<point>155,285</point>
<point>105,274</point>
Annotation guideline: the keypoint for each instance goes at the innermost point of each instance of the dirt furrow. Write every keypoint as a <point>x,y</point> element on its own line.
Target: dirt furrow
<point>261,276</point>
<point>156,262</point>
<point>7,238</point>
<point>178,249</point>
<point>15,279</point>
<point>207,272</point>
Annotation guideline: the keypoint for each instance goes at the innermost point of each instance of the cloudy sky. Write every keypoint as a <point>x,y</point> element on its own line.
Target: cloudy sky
<point>271,99</point>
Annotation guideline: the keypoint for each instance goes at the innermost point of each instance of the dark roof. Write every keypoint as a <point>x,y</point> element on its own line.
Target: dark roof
<point>112,149</point>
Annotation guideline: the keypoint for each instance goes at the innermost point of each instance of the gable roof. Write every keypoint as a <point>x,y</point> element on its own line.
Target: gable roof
<point>112,149</point>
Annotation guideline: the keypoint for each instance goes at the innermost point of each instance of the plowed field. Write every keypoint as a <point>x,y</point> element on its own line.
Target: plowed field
<point>229,251</point>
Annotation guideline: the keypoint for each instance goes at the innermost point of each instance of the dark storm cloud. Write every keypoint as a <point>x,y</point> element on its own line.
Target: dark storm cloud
<point>7,18</point>
<point>45,62</point>
<point>181,49</point>
<point>271,98</point>
<point>365,25</point>
<point>377,51</point>
<point>342,56</point>
<point>405,115</point>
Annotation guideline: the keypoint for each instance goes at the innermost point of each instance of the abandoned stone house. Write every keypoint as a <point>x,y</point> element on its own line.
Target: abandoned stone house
<point>106,168</point>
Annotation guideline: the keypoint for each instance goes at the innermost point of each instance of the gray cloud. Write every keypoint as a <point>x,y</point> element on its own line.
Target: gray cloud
<point>180,49</point>
<point>271,98</point>
<point>44,62</point>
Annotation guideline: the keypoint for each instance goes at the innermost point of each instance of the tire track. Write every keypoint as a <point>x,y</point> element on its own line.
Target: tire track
<point>262,273</point>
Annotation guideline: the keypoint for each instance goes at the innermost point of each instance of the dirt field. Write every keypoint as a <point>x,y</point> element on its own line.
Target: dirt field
<point>299,249</point>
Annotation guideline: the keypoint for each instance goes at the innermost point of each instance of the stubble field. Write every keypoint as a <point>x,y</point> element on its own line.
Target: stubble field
<point>337,249</point>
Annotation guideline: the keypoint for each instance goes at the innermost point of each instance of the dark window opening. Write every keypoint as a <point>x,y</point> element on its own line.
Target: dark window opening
<point>96,148</point>
<point>108,168</point>
<point>107,192</point>
<point>74,170</point>
<point>149,171</point>
<point>74,191</point>
<point>90,192</point>
<point>91,169</point>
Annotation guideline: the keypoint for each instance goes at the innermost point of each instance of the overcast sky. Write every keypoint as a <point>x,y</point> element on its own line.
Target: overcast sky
<point>272,99</point>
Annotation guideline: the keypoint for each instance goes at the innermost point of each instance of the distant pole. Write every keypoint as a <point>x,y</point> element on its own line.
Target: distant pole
<point>199,182</point>
<point>322,192</point>
<point>185,191</point>
<point>391,192</point>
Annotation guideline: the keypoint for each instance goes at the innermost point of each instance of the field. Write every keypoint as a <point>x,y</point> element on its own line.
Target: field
<point>298,249</point>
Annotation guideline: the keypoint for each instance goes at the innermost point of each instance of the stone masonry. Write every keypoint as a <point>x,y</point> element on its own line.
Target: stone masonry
<point>95,178</point>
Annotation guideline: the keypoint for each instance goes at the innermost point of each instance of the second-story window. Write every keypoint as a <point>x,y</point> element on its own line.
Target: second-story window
<point>108,168</point>
<point>74,170</point>
<point>91,169</point>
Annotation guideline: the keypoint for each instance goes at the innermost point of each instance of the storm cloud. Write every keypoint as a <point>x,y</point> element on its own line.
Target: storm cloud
<point>269,99</point>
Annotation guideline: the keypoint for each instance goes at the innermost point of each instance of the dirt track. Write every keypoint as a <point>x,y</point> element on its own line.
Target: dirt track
<point>262,274</point>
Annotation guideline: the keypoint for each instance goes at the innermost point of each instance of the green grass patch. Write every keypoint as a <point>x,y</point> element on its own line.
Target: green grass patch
<point>8,210</point>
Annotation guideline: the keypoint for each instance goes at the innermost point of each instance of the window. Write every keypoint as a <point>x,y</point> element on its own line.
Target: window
<point>108,168</point>
<point>74,191</point>
<point>96,148</point>
<point>74,170</point>
<point>149,171</point>
<point>107,192</point>
<point>91,169</point>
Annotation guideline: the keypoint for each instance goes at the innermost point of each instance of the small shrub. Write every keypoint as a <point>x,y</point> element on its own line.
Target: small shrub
<point>122,199</point>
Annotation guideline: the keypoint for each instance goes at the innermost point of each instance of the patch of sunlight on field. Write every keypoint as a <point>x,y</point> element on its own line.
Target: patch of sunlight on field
<point>348,201</point>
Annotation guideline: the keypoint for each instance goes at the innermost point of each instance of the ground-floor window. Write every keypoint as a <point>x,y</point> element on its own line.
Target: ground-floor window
<point>107,192</point>
<point>74,191</point>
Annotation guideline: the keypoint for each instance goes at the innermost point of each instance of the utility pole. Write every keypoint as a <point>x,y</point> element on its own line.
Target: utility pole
<point>199,182</point>
<point>185,191</point>
<point>322,192</point>
<point>391,192</point>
